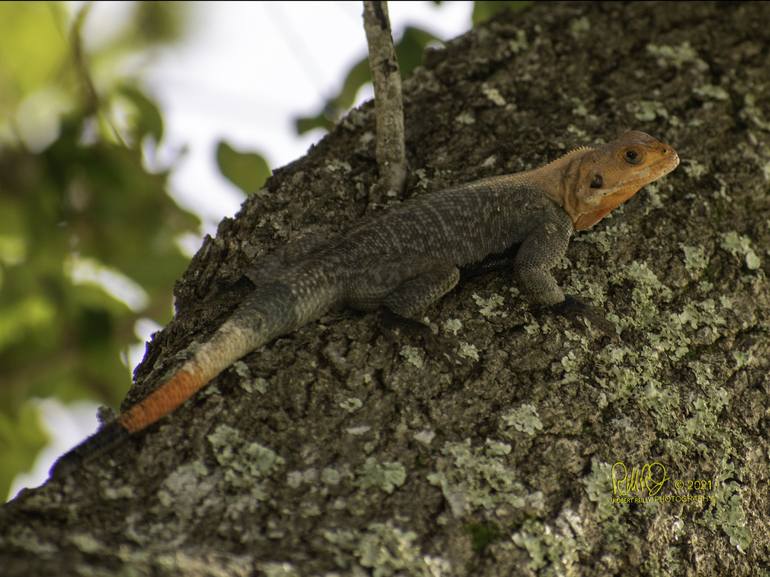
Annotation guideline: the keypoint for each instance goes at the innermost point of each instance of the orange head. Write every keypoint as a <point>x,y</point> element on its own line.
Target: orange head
<point>597,180</point>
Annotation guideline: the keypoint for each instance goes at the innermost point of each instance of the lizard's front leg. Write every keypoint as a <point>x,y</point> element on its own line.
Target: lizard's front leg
<point>537,255</point>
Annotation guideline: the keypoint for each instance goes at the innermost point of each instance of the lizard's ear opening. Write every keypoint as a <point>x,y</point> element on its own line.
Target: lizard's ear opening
<point>597,181</point>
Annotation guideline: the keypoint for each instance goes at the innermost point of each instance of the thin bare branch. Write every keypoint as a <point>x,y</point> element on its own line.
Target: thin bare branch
<point>391,156</point>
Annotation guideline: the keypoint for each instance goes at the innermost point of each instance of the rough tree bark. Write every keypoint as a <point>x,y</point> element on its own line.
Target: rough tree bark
<point>344,449</point>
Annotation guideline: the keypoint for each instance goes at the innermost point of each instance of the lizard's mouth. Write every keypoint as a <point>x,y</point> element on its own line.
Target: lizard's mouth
<point>653,171</point>
<point>669,162</point>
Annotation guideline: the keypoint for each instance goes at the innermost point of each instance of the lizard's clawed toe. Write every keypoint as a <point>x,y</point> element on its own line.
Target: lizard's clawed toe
<point>573,309</point>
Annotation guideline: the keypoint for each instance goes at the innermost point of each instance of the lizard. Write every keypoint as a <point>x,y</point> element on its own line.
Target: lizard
<point>412,255</point>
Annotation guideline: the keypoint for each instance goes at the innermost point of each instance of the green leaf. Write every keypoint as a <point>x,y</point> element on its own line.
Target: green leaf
<point>147,119</point>
<point>483,10</point>
<point>246,170</point>
<point>410,48</point>
<point>303,124</point>
<point>21,438</point>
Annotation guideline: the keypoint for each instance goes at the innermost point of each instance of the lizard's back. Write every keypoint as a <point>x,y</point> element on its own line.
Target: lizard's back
<point>462,225</point>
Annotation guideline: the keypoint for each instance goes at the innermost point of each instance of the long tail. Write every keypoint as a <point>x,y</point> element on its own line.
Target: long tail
<point>271,310</point>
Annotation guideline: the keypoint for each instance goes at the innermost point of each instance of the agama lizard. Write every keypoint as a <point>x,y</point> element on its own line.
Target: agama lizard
<point>412,255</point>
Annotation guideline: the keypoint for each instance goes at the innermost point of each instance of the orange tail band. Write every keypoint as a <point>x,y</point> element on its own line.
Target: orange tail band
<point>162,401</point>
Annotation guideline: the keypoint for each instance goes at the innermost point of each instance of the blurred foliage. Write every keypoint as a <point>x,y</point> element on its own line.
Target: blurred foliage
<point>78,204</point>
<point>21,437</point>
<point>409,51</point>
<point>246,170</point>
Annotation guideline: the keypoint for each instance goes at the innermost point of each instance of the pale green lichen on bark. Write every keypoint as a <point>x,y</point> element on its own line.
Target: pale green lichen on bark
<point>86,543</point>
<point>694,169</point>
<point>351,404</point>
<point>727,512</point>
<point>695,260</point>
<point>493,94</point>
<point>413,356</point>
<point>579,27</point>
<point>386,476</point>
<point>647,110</point>
<point>243,461</point>
<point>523,418</point>
<point>478,479</point>
<point>453,326</point>
<point>753,113</point>
<point>680,56</point>
<point>605,239</point>
<point>186,488</point>
<point>330,476</point>
<point>279,570</point>
<point>740,245</point>
<point>383,550</point>
<point>710,91</point>
<point>553,550</point>
<point>490,306</point>
<point>247,382</point>
<point>598,488</point>
<point>468,351</point>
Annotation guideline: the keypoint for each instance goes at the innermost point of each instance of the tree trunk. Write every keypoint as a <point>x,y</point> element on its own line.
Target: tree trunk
<point>347,449</point>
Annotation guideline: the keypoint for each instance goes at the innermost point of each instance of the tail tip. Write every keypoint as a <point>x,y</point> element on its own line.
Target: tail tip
<point>101,442</point>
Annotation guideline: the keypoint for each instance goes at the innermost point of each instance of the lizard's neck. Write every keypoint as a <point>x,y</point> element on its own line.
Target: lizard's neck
<point>559,181</point>
<point>585,220</point>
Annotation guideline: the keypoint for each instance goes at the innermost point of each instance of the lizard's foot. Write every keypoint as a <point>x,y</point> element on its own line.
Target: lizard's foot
<point>434,345</point>
<point>395,322</point>
<point>572,308</point>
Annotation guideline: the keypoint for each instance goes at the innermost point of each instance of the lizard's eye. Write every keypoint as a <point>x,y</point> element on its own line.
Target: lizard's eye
<point>597,181</point>
<point>632,156</point>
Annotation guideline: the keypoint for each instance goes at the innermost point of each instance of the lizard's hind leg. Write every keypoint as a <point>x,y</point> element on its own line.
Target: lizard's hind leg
<point>405,289</point>
<point>410,298</point>
<point>413,296</point>
<point>411,289</point>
